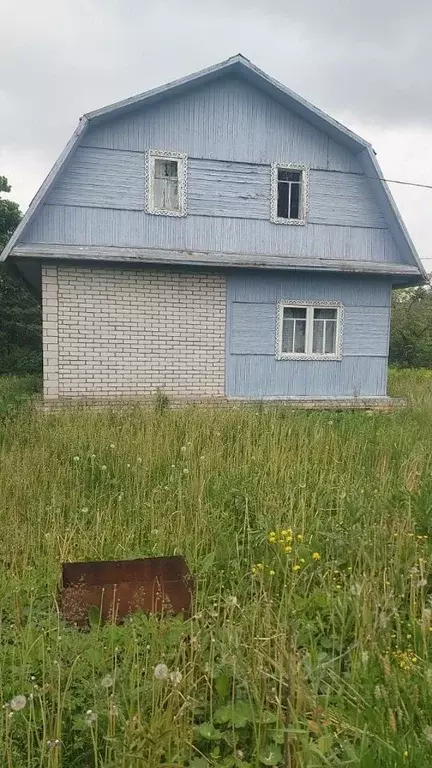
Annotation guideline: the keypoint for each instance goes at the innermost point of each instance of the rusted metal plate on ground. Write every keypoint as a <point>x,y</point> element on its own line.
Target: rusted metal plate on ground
<point>117,588</point>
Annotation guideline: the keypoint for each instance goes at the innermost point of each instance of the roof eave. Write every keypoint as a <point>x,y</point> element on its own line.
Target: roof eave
<point>45,187</point>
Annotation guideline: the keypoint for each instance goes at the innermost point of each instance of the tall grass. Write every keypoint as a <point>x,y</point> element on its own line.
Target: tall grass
<point>310,538</point>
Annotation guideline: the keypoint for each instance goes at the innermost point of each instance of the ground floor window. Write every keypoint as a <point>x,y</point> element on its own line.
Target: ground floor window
<point>311,330</point>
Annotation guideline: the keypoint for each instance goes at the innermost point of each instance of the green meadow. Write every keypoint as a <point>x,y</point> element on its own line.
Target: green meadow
<point>309,535</point>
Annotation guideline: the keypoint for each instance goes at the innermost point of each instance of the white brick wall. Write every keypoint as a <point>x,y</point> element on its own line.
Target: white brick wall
<point>111,333</point>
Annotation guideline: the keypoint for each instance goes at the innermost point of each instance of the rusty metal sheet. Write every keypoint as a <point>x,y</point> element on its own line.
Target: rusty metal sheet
<point>117,588</point>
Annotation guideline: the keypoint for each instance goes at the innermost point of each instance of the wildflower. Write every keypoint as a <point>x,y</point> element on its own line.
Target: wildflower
<point>271,572</point>
<point>428,733</point>
<point>185,471</point>
<point>288,550</point>
<point>76,458</point>
<point>128,466</point>
<point>232,600</point>
<point>112,445</point>
<point>176,677</point>
<point>107,681</point>
<point>103,467</point>
<point>296,568</point>
<point>90,717</point>
<point>302,560</point>
<point>84,510</point>
<point>183,449</point>
<point>405,754</point>
<point>161,672</point>
<point>139,460</point>
<point>316,556</point>
<point>299,537</point>
<point>18,702</point>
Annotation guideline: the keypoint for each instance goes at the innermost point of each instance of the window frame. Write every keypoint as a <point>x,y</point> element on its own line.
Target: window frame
<point>162,154</point>
<point>309,306</point>
<point>304,195</point>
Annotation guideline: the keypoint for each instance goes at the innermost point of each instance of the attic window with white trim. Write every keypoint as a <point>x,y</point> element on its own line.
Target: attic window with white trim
<point>166,183</point>
<point>311,330</point>
<point>289,193</point>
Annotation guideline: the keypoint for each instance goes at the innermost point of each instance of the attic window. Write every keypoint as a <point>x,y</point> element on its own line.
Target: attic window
<point>289,193</point>
<point>166,183</point>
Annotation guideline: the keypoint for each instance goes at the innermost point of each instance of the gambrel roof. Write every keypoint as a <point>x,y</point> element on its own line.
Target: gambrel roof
<point>242,67</point>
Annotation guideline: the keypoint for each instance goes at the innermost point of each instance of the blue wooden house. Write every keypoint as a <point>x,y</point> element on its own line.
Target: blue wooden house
<point>218,237</point>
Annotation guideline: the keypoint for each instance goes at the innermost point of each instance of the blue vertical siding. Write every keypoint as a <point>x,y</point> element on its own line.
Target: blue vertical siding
<point>227,120</point>
<point>231,132</point>
<point>77,225</point>
<point>252,369</point>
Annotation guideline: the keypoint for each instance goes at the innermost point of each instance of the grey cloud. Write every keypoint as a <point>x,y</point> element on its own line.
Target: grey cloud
<point>367,62</point>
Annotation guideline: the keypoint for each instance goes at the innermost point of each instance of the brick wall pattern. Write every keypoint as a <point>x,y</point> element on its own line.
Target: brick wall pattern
<point>111,333</point>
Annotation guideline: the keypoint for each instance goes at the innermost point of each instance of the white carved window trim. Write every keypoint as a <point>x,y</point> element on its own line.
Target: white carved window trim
<point>304,196</point>
<point>162,154</point>
<point>309,306</point>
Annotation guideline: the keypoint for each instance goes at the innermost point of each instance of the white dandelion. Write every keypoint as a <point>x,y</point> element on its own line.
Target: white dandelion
<point>18,702</point>
<point>90,717</point>
<point>107,681</point>
<point>161,672</point>
<point>176,677</point>
<point>76,458</point>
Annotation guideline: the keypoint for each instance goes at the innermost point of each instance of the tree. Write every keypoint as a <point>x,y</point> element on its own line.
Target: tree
<point>20,315</point>
<point>411,328</point>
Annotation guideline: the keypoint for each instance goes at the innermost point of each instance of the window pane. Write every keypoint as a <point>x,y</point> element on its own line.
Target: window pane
<point>330,337</point>
<point>295,201</point>
<point>325,314</point>
<point>283,200</point>
<point>166,197</point>
<point>166,169</point>
<point>286,175</point>
<point>318,337</point>
<point>300,336</point>
<point>299,312</point>
<point>288,336</point>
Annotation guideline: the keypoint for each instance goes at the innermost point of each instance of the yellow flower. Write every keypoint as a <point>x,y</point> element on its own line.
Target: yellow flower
<point>296,568</point>
<point>316,556</point>
<point>288,550</point>
<point>254,569</point>
<point>302,560</point>
<point>271,572</point>
<point>299,537</point>
<point>405,754</point>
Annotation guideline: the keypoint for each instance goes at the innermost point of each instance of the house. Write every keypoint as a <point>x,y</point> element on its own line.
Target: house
<point>218,237</point>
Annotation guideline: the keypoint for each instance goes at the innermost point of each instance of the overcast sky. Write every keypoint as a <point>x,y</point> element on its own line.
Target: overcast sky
<point>366,62</point>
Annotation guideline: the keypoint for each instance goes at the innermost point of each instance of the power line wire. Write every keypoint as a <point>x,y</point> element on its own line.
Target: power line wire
<point>396,181</point>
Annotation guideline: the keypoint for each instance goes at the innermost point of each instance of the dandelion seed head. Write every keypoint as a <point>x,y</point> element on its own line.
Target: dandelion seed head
<point>90,717</point>
<point>107,681</point>
<point>161,672</point>
<point>103,467</point>
<point>18,702</point>
<point>76,458</point>
<point>176,677</point>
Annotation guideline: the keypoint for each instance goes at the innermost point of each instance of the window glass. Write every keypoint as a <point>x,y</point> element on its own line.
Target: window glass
<point>166,188</point>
